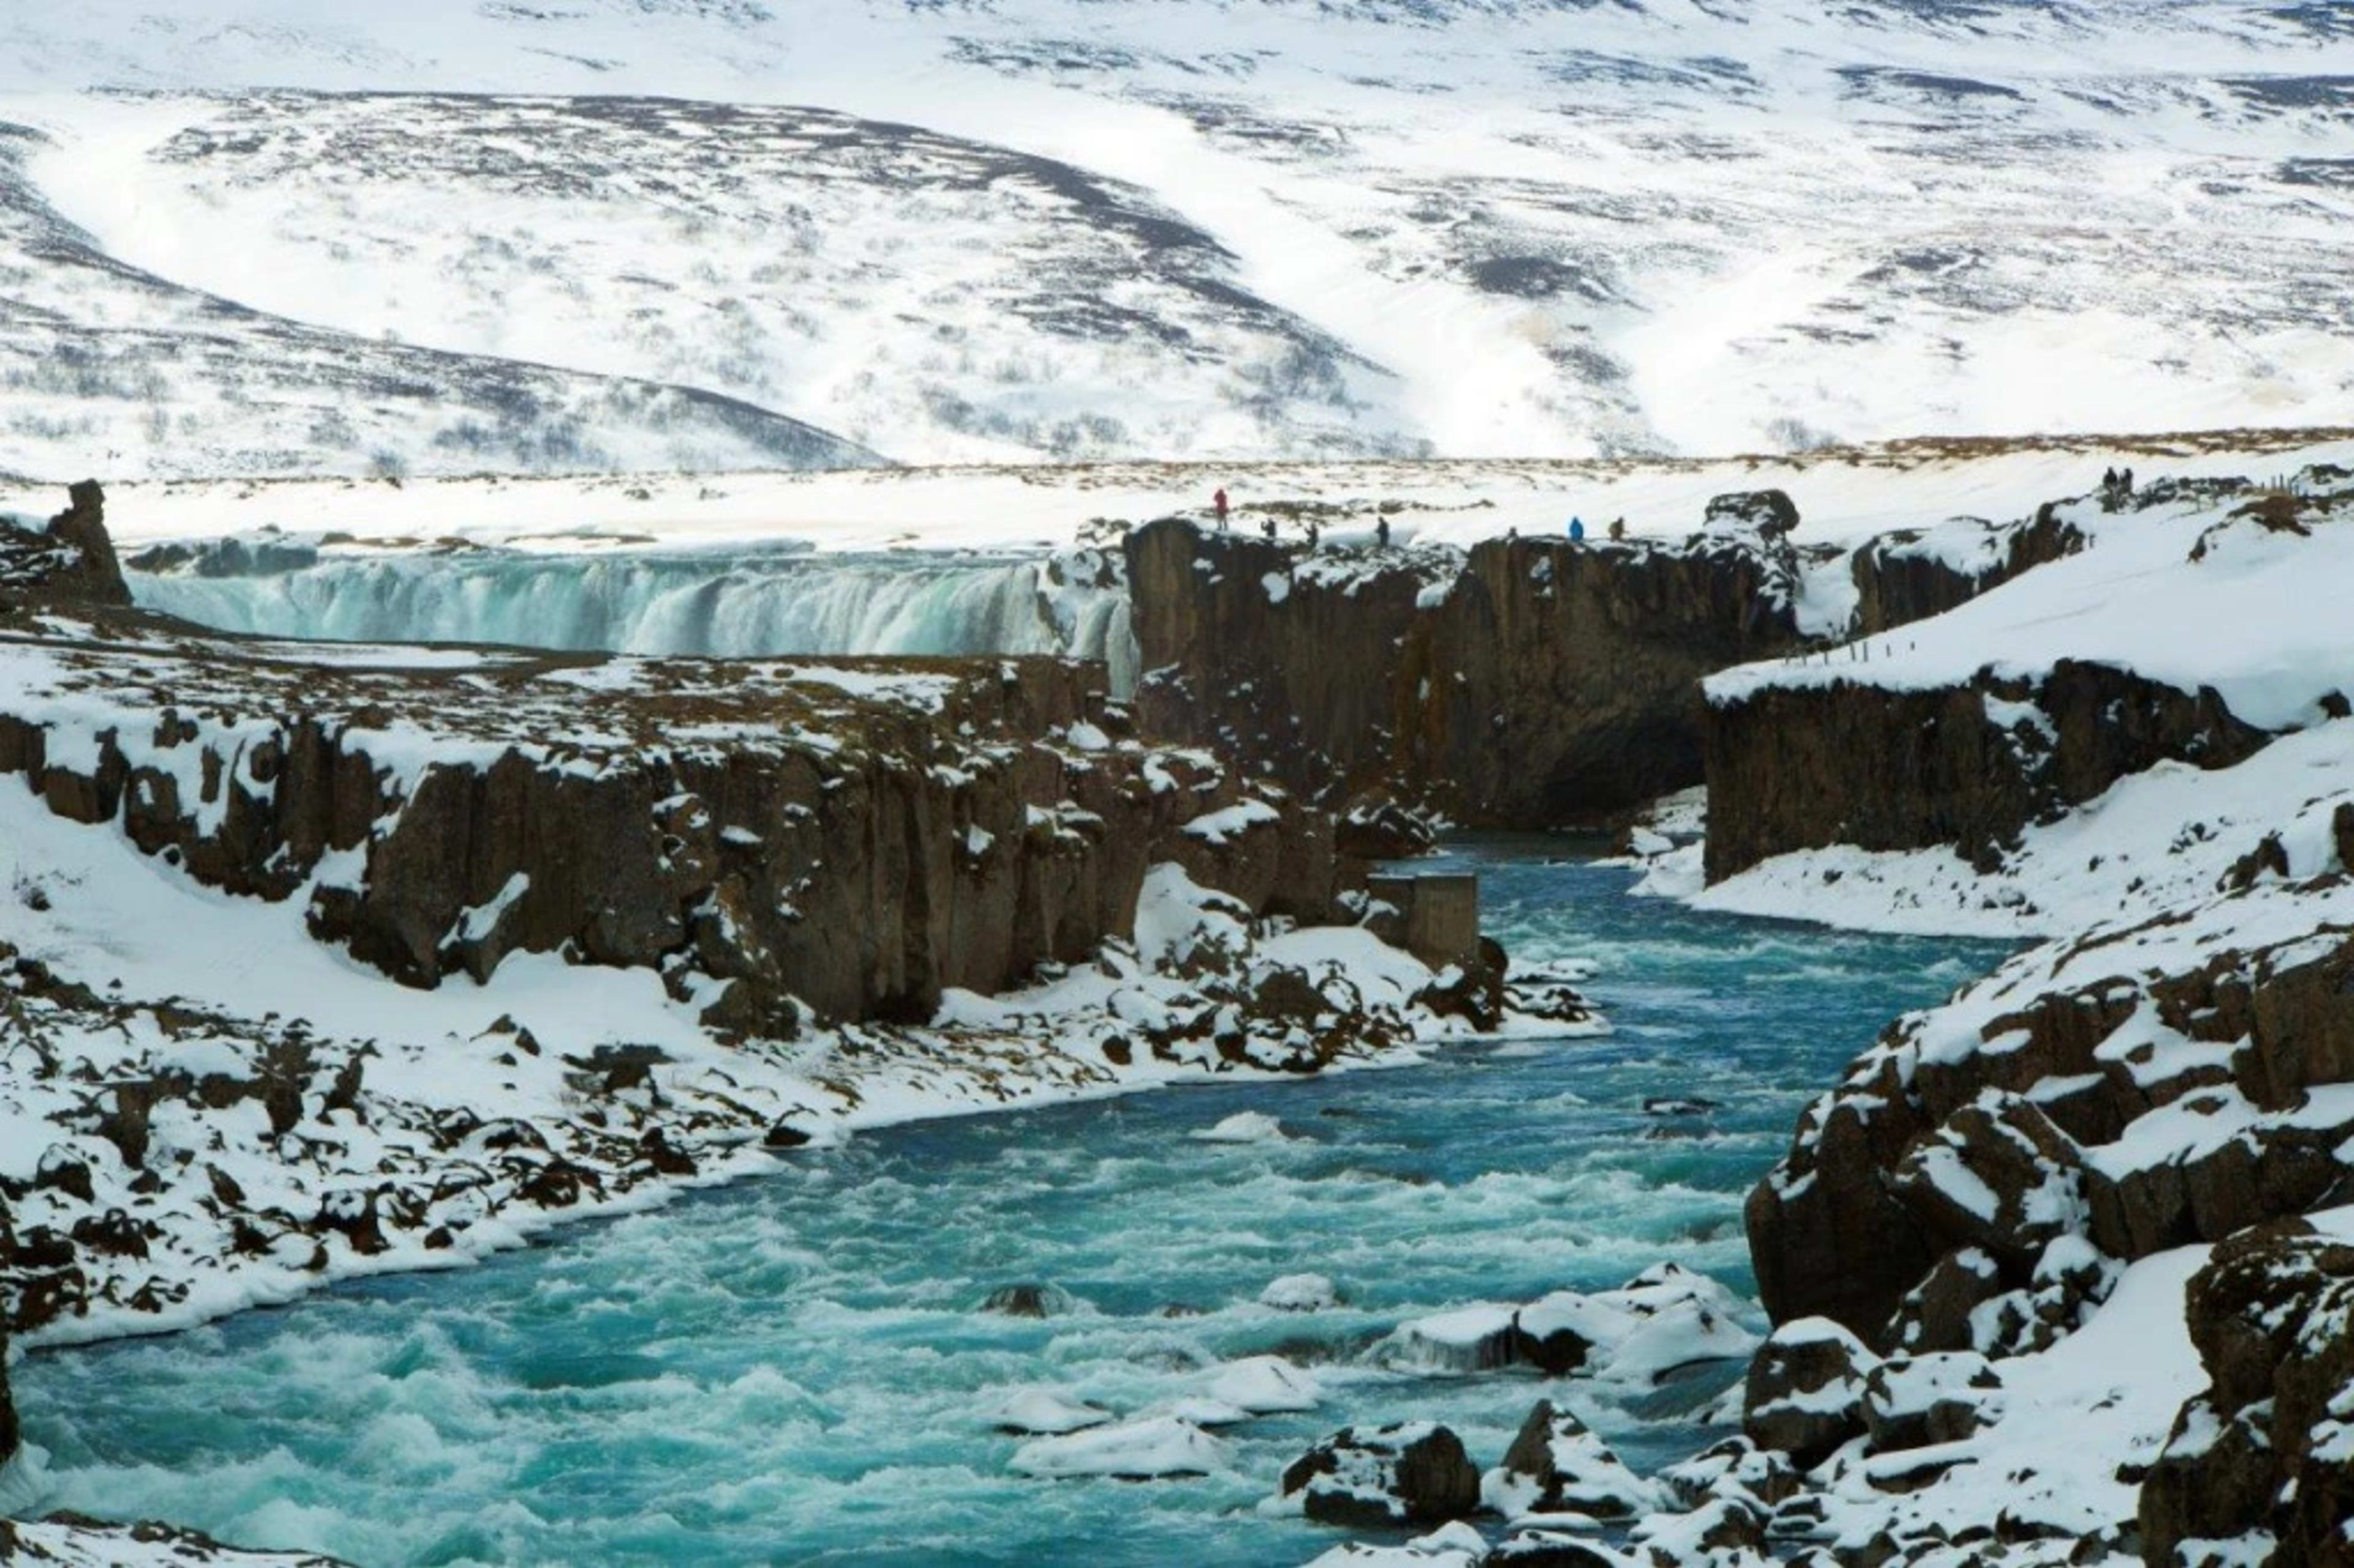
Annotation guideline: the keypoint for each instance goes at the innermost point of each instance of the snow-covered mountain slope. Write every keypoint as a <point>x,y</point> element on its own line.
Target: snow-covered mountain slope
<point>110,368</point>
<point>1212,228</point>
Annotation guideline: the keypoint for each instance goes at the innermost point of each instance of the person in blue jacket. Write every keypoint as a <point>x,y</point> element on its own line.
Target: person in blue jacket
<point>1576,531</point>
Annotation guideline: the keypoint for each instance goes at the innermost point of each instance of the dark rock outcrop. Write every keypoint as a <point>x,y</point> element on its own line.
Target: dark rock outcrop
<point>2267,1453</point>
<point>1898,580</point>
<point>1805,1395</point>
<point>72,563</point>
<point>1529,682</point>
<point>1804,766</point>
<point>1408,1473</point>
<point>1557,1465</point>
<point>1856,1222</point>
<point>1768,510</point>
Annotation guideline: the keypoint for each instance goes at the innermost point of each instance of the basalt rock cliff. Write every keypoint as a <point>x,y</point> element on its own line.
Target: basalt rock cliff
<point>1529,682</point>
<point>1974,1180</point>
<point>1526,682</point>
<point>1797,767</point>
<point>856,836</point>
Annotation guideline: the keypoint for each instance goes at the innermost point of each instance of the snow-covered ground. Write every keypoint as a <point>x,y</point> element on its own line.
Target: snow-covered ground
<point>1844,497</point>
<point>1031,229</point>
<point>2191,592</point>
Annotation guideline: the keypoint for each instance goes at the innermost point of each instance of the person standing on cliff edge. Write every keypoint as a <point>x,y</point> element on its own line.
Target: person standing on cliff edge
<point>1218,504</point>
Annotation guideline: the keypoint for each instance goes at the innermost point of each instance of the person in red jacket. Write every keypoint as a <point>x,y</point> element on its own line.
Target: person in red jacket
<point>1218,503</point>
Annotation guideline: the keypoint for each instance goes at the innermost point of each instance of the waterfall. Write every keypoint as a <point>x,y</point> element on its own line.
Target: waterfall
<point>726,603</point>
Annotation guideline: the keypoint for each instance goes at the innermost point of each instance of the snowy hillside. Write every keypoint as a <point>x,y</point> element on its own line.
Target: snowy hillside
<point>1042,228</point>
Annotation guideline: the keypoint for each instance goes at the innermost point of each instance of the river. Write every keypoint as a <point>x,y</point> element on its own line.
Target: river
<point>795,1370</point>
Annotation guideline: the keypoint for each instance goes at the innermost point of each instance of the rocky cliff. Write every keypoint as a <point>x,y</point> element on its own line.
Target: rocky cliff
<point>1912,573</point>
<point>2264,1458</point>
<point>1969,766</point>
<point>1526,683</point>
<point>856,835</point>
<point>1975,1179</point>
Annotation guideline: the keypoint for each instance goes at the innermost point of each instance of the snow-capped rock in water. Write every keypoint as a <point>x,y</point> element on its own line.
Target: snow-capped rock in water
<point>1030,1301</point>
<point>1410,1472</point>
<point>1300,1293</point>
<point>1150,1447</point>
<point>1264,1386</point>
<point>1662,1321</point>
<point>1243,1126</point>
<point>1555,1467</point>
<point>1456,1545</point>
<point>1042,1413</point>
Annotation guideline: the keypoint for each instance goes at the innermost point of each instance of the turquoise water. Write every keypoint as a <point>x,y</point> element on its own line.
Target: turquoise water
<point>794,1369</point>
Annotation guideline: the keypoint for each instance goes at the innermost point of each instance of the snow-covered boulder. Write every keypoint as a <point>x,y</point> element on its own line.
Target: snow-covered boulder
<point>1912,1401</point>
<point>1556,1465</point>
<point>1147,1448</point>
<point>1456,1545</point>
<point>1662,1320</point>
<point>1734,1464</point>
<point>1479,1338</point>
<point>1266,1385</point>
<point>1997,1175</point>
<point>1300,1293</point>
<point>1556,1549</point>
<point>2265,1456</point>
<point>1665,1319</point>
<point>1042,1413</point>
<point>1413,1472</point>
<point>1804,1393</point>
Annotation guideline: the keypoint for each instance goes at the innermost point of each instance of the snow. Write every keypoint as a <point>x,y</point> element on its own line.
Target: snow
<point>1243,1126</point>
<point>1501,228</point>
<point>1300,1293</point>
<point>2256,620</point>
<point>1232,822</point>
<point>1143,1448</point>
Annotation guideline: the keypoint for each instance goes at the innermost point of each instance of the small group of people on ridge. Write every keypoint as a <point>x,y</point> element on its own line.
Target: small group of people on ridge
<point>1222,508</point>
<point>2116,484</point>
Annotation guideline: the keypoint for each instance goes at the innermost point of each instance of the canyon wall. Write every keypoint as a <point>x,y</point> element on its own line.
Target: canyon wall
<point>854,835</point>
<point>1527,683</point>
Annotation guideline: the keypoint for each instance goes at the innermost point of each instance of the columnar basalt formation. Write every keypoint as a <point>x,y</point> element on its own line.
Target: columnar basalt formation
<point>1848,762</point>
<point>1973,1181</point>
<point>1530,682</point>
<point>856,836</point>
